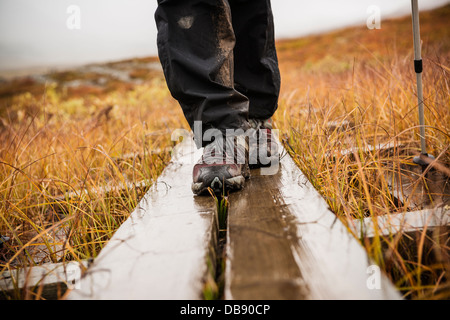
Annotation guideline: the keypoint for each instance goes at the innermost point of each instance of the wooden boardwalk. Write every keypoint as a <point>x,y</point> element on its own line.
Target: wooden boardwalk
<point>48,279</point>
<point>161,251</point>
<point>282,243</point>
<point>403,222</point>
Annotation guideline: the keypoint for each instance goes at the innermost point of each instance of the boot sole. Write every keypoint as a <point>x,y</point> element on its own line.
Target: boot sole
<point>232,184</point>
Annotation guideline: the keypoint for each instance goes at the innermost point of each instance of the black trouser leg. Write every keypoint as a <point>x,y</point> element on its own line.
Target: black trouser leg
<point>256,72</point>
<point>216,58</point>
<point>195,45</point>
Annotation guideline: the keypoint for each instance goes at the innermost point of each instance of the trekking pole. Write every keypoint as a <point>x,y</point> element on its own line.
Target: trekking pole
<point>418,68</point>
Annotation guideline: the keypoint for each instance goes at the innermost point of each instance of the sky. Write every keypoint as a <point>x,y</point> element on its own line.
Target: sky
<point>48,33</point>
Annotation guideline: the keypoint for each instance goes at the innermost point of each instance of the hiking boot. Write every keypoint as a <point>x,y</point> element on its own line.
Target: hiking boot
<point>222,168</point>
<point>263,152</point>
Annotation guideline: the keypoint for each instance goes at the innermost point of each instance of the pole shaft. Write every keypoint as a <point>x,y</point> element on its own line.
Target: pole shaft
<point>418,62</point>
<point>423,146</point>
<point>416,29</point>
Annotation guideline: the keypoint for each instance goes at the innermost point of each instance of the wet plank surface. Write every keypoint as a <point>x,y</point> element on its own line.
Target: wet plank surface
<point>260,260</point>
<point>160,252</point>
<point>402,222</point>
<point>48,276</point>
<point>284,243</point>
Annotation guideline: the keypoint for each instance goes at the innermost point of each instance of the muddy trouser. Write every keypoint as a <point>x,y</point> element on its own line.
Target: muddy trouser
<point>219,60</point>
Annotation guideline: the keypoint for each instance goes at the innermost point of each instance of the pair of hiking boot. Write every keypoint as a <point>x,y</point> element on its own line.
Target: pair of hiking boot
<point>226,162</point>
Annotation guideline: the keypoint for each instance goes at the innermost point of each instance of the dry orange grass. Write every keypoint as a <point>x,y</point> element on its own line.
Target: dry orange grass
<point>356,88</point>
<point>73,168</point>
<point>60,147</point>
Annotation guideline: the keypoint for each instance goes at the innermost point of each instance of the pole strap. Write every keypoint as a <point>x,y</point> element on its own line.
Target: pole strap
<point>418,66</point>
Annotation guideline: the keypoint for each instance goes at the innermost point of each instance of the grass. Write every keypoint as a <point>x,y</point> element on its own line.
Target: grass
<point>355,88</point>
<point>73,168</point>
<point>75,160</point>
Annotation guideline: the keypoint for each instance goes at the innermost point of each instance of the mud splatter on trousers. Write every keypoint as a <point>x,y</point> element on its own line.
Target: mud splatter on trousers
<point>219,60</point>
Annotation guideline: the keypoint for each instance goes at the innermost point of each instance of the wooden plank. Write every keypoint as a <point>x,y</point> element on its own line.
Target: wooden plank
<point>402,222</point>
<point>380,147</point>
<point>284,243</point>
<point>260,262</point>
<point>408,186</point>
<point>102,191</point>
<point>160,252</point>
<point>48,276</point>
